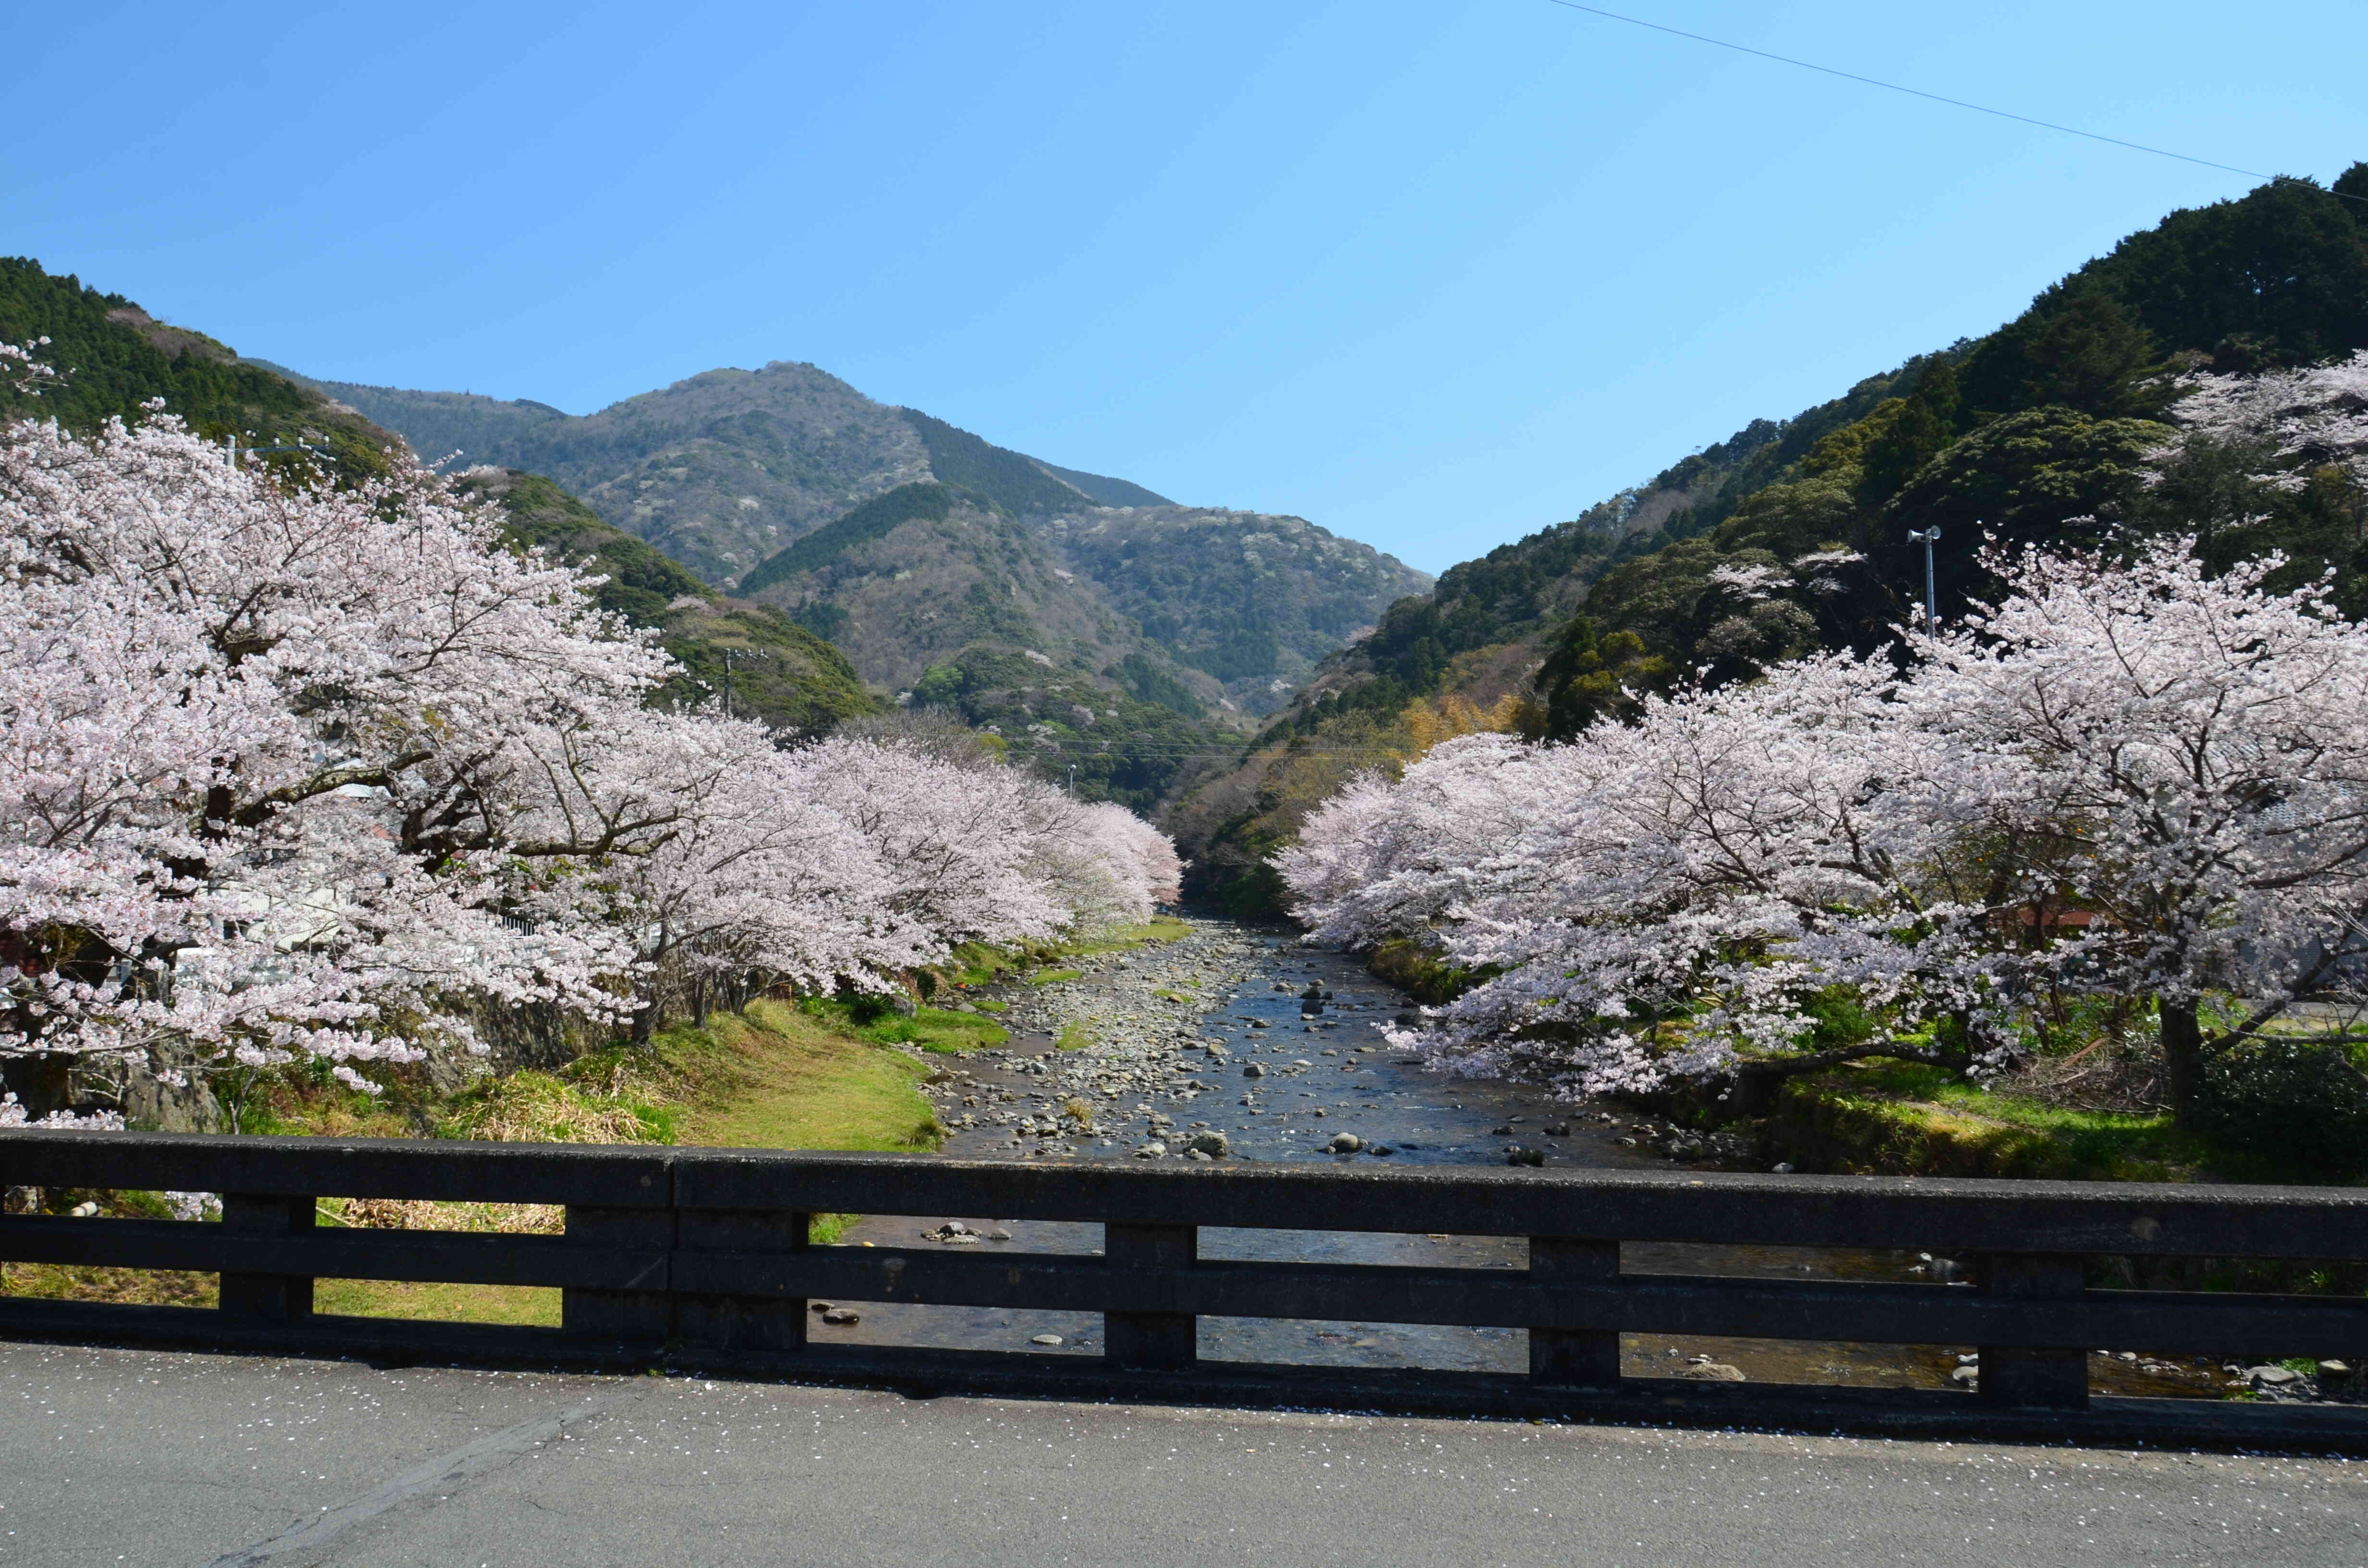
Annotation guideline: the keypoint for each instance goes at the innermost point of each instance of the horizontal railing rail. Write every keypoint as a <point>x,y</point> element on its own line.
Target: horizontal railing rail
<point>704,1253</point>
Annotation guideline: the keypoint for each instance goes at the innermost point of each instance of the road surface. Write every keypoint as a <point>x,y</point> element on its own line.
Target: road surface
<point>110,1456</point>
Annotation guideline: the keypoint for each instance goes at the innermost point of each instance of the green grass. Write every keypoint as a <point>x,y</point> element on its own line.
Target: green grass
<point>1166,996</point>
<point>1073,1036</point>
<point>931,1028</point>
<point>778,1077</point>
<point>1054,976</point>
<point>985,1006</point>
<point>535,1306</point>
<point>1911,1118</point>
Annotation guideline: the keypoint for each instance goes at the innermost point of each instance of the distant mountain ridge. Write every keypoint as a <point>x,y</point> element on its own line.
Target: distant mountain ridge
<point>723,469</point>
<point>789,486</point>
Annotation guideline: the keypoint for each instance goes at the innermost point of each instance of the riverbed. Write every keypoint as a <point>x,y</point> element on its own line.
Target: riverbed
<point>1262,1049</point>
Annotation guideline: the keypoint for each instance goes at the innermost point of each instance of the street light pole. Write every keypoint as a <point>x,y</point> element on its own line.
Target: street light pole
<point>1928,538</point>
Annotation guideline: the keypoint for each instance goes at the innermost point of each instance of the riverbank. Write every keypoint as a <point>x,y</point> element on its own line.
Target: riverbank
<point>811,1074</point>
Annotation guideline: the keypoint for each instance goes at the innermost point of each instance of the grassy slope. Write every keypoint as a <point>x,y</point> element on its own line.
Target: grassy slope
<point>1899,1119</point>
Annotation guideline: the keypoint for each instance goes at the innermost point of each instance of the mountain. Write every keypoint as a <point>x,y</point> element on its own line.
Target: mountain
<point>1792,534</point>
<point>760,478</point>
<point>775,669</point>
<point>726,468</point>
<point>117,358</point>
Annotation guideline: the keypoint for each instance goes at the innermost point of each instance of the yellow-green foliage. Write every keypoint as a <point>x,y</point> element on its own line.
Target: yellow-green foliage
<point>1901,1119</point>
<point>777,1077</point>
<point>535,1108</point>
<point>931,1028</point>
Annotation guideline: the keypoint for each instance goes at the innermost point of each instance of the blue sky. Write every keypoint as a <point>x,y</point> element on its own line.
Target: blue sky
<point>1432,275</point>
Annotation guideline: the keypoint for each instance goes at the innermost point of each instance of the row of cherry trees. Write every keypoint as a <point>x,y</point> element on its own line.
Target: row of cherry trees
<point>289,770</point>
<point>2127,777</point>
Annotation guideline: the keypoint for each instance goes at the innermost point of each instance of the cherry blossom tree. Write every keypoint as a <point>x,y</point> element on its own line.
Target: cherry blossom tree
<point>260,751</point>
<point>2300,420</point>
<point>1678,896</point>
<point>2129,776</point>
<point>292,770</point>
<point>2184,758</point>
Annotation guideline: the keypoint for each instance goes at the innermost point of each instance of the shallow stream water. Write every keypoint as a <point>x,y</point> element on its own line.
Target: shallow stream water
<point>1151,1078</point>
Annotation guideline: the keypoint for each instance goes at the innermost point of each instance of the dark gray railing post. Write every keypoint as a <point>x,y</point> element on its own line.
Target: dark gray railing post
<point>2045,1376</point>
<point>636,1319</point>
<point>1574,1358</point>
<point>279,1296</point>
<point>742,1323</point>
<point>1150,1341</point>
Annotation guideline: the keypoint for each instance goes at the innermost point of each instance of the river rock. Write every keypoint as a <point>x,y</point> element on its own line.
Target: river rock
<point>842,1317</point>
<point>1154,1150</point>
<point>1211,1143</point>
<point>2272,1376</point>
<point>1045,1339</point>
<point>1252,1070</point>
<point>1346,1143</point>
<point>1701,1369</point>
<point>1516,1156</point>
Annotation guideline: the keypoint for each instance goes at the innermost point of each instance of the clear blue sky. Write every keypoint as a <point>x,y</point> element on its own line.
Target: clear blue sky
<point>1434,275</point>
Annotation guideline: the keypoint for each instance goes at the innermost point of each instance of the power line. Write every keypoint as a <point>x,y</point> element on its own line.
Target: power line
<point>1940,98</point>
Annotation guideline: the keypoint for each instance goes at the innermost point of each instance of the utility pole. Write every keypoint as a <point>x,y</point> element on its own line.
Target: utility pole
<point>1928,538</point>
<point>1073,779</point>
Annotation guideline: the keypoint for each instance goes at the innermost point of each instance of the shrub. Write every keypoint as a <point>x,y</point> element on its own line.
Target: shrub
<point>2296,1103</point>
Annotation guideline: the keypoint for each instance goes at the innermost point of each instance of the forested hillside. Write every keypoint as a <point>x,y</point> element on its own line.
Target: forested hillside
<point>1792,534</point>
<point>113,356</point>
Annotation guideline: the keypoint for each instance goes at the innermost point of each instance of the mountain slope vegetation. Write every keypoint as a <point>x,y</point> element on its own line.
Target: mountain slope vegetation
<point>1791,535</point>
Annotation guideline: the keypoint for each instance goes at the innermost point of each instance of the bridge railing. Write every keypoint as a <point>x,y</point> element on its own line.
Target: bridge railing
<point>704,1253</point>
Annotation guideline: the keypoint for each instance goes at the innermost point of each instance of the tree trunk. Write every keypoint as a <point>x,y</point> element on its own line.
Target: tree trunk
<point>2182,1058</point>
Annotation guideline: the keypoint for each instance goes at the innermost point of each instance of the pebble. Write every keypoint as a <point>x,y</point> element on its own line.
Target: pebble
<point>842,1317</point>
<point>1045,1339</point>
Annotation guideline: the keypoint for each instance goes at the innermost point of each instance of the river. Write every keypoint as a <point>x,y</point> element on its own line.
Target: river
<point>1215,1033</point>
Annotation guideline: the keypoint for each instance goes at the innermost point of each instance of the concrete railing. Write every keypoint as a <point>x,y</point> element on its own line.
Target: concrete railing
<point>701,1256</point>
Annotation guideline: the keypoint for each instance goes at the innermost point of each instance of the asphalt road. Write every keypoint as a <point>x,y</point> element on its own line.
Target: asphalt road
<point>148,1457</point>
